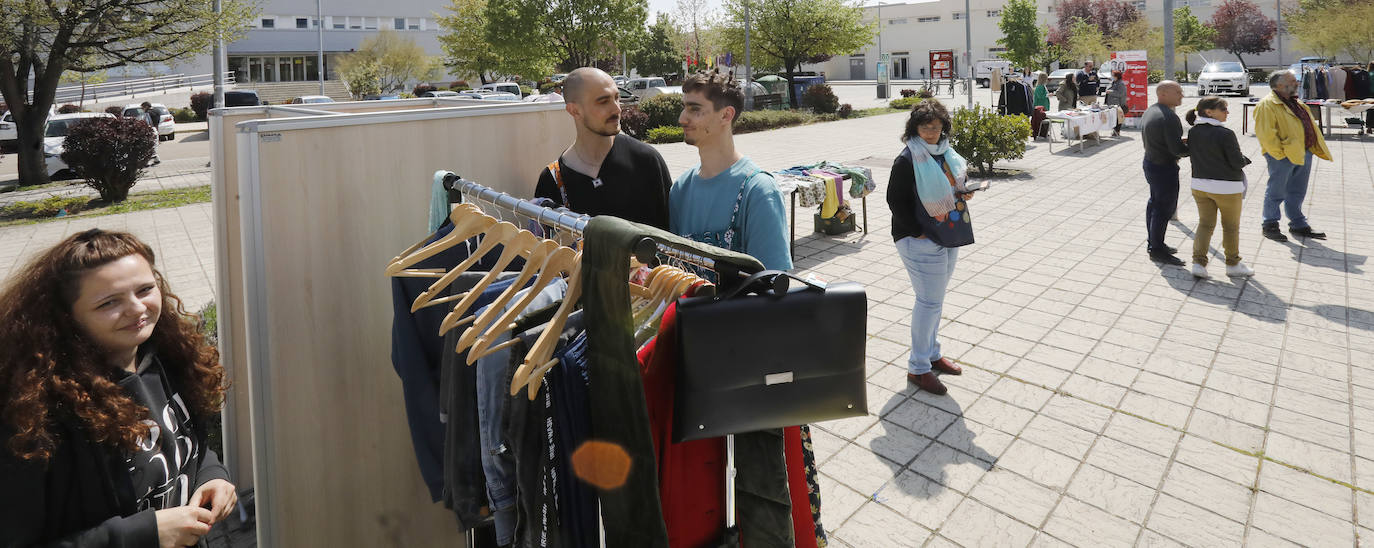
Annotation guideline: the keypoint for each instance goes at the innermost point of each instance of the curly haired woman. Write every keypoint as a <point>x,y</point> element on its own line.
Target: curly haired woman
<point>105,382</point>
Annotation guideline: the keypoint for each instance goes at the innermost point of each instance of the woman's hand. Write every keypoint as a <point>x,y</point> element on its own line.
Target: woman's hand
<point>182,526</point>
<point>217,495</point>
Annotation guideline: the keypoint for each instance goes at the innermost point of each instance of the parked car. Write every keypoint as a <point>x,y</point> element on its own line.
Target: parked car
<point>241,98</point>
<point>982,70</point>
<point>620,81</point>
<point>166,126</point>
<point>1057,77</point>
<point>1223,77</point>
<point>557,78</point>
<point>439,93</point>
<point>626,97</point>
<point>661,90</point>
<point>310,99</point>
<point>639,86</point>
<point>1104,80</point>
<point>507,87</point>
<point>489,95</point>
<point>9,131</point>
<point>55,132</point>
<point>378,97</point>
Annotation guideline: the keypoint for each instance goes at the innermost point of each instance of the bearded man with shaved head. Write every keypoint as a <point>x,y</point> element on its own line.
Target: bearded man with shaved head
<point>605,172</point>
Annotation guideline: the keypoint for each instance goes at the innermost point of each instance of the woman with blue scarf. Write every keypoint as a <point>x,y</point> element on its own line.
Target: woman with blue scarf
<point>930,221</point>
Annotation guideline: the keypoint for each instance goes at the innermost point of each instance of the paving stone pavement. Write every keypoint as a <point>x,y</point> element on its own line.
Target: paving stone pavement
<point>1105,400</point>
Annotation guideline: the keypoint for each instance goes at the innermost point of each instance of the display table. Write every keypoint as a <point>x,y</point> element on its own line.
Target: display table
<point>1321,112</point>
<point>1081,123</point>
<point>794,187</point>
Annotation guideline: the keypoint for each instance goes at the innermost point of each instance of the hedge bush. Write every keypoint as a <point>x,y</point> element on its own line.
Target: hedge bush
<point>420,89</point>
<point>526,91</point>
<point>545,87</point>
<point>663,110</point>
<point>47,207</point>
<point>634,122</point>
<point>68,109</point>
<point>908,92</point>
<point>846,110</point>
<point>983,137</point>
<point>760,120</point>
<point>820,99</point>
<point>115,110</point>
<point>109,154</point>
<point>184,115</point>
<point>201,103</point>
<point>665,134</point>
<point>906,103</point>
<point>925,92</point>
<point>1154,76</point>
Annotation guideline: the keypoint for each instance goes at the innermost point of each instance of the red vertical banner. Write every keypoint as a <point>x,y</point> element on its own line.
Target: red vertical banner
<point>941,64</point>
<point>1135,71</point>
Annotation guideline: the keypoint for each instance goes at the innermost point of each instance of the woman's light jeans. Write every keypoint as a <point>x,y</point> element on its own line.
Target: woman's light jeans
<point>930,267</point>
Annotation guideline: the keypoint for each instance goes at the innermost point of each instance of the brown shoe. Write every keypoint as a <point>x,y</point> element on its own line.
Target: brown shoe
<point>947,367</point>
<point>927,382</point>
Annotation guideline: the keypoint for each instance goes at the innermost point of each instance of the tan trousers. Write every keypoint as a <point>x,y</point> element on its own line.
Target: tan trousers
<point>1087,99</point>
<point>1208,205</point>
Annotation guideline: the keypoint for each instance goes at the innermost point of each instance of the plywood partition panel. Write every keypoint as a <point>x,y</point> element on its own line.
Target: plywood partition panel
<point>325,202</point>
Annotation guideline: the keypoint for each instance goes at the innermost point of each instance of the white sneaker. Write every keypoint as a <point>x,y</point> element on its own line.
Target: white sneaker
<point>1239,270</point>
<point>1200,271</point>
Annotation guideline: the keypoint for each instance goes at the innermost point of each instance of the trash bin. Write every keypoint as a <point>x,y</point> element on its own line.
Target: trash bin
<point>800,83</point>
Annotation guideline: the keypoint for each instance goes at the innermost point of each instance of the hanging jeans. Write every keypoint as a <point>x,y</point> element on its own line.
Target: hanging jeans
<point>930,266</point>
<point>1288,186</point>
<point>1163,180</point>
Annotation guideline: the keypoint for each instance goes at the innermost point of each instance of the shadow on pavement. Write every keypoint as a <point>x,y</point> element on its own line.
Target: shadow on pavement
<point>194,137</point>
<point>932,461</point>
<point>1314,253</point>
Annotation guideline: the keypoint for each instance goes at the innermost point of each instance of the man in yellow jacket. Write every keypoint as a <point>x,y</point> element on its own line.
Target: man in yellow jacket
<point>1289,138</point>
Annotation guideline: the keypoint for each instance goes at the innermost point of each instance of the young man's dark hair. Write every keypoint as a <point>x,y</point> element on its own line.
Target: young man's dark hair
<point>720,89</point>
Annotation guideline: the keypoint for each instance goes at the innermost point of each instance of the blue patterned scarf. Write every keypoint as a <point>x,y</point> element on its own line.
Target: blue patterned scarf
<point>932,186</point>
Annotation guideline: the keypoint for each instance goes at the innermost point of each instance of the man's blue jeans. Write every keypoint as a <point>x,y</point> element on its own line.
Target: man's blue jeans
<point>930,266</point>
<point>1288,186</point>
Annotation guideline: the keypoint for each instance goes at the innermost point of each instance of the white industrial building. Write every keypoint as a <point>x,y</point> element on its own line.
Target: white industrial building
<point>909,31</point>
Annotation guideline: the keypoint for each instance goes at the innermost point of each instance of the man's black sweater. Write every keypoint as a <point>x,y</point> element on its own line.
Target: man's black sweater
<point>632,185</point>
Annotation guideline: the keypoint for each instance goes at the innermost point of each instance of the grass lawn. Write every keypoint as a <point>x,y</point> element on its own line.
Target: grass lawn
<point>39,211</point>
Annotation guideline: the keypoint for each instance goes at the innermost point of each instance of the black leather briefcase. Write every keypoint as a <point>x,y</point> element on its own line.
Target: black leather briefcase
<point>767,355</point>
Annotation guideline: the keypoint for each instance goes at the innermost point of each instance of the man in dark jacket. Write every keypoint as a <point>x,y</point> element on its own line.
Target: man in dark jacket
<point>1164,146</point>
<point>1087,83</point>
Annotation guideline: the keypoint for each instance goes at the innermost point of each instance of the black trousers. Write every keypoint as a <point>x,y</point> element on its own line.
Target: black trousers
<point>1163,179</point>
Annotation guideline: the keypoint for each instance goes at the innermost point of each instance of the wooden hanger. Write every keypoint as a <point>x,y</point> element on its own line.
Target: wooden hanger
<point>533,262</point>
<point>520,244</point>
<point>539,354</point>
<point>468,221</point>
<point>494,235</point>
<point>561,260</point>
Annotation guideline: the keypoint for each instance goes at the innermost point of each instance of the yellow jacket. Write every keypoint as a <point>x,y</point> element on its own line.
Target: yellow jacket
<point>1280,132</point>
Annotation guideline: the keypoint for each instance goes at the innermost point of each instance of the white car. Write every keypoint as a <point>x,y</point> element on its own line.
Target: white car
<point>982,70</point>
<point>9,131</point>
<point>56,132</point>
<point>439,93</point>
<point>166,126</point>
<point>307,100</point>
<point>488,95</point>
<point>661,90</point>
<point>641,86</point>
<point>506,87</point>
<point>1223,77</point>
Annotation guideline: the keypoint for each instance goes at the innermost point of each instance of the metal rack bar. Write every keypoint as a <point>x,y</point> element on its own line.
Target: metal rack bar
<point>566,220</point>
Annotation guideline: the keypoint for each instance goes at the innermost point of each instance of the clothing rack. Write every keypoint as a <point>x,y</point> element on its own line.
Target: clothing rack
<point>646,250</point>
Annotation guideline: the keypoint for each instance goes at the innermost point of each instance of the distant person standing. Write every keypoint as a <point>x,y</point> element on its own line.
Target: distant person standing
<point>1042,93</point>
<point>152,118</point>
<point>1116,96</point>
<point>1164,145</point>
<point>1289,138</point>
<point>1218,184</point>
<point>1067,93</point>
<point>1087,83</point>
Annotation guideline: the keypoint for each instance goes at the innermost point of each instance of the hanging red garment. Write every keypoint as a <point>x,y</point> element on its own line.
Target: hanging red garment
<point>692,474</point>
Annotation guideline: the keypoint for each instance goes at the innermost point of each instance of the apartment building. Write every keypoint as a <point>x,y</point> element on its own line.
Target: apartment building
<point>909,31</point>
<point>283,40</point>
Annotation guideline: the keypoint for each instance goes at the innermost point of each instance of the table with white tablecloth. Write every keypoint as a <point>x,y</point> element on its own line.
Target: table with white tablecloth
<point>1080,123</point>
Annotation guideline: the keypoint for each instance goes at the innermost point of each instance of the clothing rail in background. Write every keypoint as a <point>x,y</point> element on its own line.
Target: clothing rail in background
<point>646,250</point>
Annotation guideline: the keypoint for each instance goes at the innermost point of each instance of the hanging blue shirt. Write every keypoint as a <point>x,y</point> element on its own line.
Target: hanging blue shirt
<point>697,205</point>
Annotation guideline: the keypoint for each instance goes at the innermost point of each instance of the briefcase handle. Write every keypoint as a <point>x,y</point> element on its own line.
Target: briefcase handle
<point>777,281</point>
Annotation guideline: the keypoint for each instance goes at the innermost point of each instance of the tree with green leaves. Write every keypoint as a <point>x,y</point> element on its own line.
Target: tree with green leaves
<point>1021,33</point>
<point>397,58</point>
<point>789,32</point>
<point>464,40</point>
<point>1085,42</point>
<point>1191,35</point>
<point>41,39</point>
<point>658,54</point>
<point>534,34</point>
<point>1332,27</point>
<point>84,79</point>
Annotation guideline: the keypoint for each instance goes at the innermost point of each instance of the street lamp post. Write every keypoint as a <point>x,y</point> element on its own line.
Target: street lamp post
<point>1278,11</point>
<point>218,62</point>
<point>881,64</point>
<point>968,51</point>
<point>319,31</point>
<point>1168,39</point>
<point>748,64</point>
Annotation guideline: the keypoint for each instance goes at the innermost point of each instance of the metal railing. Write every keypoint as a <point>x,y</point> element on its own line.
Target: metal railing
<point>70,94</point>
